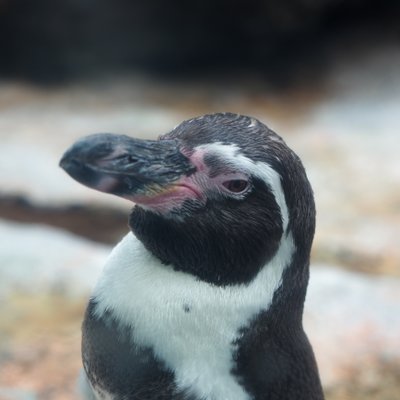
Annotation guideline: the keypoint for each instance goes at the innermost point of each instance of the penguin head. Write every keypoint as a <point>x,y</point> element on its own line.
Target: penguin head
<point>214,197</point>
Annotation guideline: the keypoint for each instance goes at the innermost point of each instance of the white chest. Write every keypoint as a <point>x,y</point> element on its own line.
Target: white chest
<point>189,324</point>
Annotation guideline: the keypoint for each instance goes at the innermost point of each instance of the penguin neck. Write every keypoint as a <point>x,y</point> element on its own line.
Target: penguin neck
<point>205,247</point>
<point>240,324</point>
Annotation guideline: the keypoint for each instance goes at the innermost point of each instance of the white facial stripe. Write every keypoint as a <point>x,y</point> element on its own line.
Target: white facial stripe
<point>189,324</point>
<point>231,154</point>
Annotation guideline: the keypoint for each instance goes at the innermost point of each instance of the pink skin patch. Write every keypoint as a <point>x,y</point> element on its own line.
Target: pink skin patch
<point>193,187</point>
<point>196,158</point>
<point>174,195</point>
<point>214,186</point>
<point>169,198</point>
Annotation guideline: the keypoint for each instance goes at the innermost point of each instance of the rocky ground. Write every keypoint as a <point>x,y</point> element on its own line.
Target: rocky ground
<point>347,135</point>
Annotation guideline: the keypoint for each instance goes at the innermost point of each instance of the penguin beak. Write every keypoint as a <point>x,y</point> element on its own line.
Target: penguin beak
<point>124,166</point>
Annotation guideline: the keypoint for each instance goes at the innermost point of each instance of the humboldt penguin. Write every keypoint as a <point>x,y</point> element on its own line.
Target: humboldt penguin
<point>203,298</point>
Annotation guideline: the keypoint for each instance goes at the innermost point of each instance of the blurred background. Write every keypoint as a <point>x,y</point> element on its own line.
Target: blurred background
<point>323,74</point>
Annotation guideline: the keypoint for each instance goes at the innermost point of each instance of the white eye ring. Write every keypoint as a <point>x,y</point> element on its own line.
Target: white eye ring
<point>236,185</point>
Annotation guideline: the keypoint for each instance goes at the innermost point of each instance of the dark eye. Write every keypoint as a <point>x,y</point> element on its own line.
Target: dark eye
<point>236,185</point>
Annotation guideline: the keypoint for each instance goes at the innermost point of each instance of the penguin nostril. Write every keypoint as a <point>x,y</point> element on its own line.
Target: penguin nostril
<point>131,159</point>
<point>123,158</point>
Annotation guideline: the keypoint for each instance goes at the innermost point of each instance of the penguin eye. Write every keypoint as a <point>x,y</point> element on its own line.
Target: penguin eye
<point>236,185</point>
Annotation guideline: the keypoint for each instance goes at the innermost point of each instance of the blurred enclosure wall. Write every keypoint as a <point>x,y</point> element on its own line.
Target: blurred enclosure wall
<point>49,41</point>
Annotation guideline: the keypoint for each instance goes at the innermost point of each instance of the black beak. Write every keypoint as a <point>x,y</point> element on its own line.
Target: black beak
<point>125,166</point>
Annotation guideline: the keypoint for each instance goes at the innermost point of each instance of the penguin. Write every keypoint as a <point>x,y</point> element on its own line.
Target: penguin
<point>203,298</point>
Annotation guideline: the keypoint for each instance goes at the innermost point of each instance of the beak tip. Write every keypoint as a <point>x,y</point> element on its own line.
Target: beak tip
<point>63,163</point>
<point>67,160</point>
